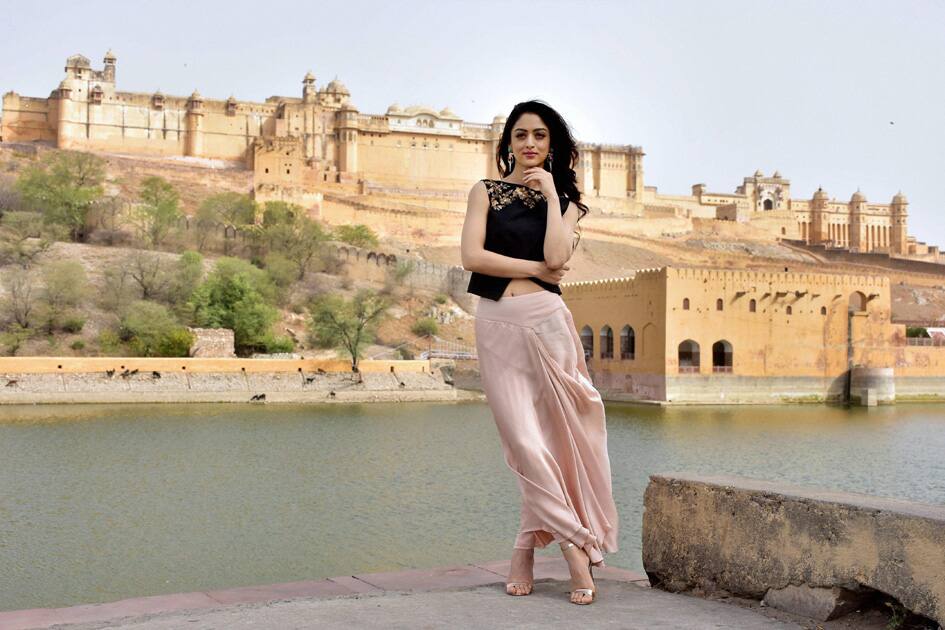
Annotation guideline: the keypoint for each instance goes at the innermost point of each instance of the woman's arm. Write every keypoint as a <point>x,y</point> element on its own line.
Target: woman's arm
<point>472,247</point>
<point>559,231</point>
<point>559,228</point>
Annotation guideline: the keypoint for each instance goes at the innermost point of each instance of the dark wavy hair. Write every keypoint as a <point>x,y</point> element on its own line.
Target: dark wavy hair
<point>562,144</point>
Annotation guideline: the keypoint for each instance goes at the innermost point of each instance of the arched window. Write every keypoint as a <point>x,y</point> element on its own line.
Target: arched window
<point>685,304</point>
<point>752,306</point>
<point>823,310</point>
<point>718,304</point>
<point>606,342</point>
<point>789,310</point>
<point>587,340</point>
<point>628,343</point>
<point>857,302</point>
<point>689,356</point>
<point>722,357</point>
<point>769,204</point>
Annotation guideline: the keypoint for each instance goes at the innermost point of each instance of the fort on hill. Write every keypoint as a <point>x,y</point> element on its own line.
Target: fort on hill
<point>294,144</point>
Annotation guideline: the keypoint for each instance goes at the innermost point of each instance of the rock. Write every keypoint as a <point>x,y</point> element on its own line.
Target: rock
<point>752,538</point>
<point>823,604</point>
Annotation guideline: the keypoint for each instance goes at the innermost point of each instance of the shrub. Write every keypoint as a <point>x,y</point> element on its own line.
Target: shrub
<point>274,344</point>
<point>65,287</point>
<point>282,270</point>
<point>110,343</point>
<point>440,298</point>
<point>150,330</point>
<point>425,326</point>
<point>357,235</point>
<point>73,323</point>
<point>77,345</point>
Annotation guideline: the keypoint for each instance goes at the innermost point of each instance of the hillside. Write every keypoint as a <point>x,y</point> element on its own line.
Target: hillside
<point>609,246</point>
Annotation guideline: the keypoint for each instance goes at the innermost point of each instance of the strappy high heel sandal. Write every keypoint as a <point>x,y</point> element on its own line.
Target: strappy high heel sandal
<point>583,591</point>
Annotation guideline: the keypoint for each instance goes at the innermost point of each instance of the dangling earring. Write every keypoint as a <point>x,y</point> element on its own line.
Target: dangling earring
<point>511,160</point>
<point>551,156</point>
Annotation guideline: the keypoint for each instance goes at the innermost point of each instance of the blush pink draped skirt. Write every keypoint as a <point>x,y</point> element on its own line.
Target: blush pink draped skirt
<point>550,419</point>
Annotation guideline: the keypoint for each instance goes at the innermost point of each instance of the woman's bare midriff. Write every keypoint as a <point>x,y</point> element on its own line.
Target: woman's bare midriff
<point>520,286</point>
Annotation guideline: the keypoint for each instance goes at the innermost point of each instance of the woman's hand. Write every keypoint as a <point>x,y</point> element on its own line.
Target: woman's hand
<point>537,178</point>
<point>553,276</point>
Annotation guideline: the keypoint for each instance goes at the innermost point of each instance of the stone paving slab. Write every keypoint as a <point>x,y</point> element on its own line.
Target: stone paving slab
<point>620,605</point>
<point>468,596</point>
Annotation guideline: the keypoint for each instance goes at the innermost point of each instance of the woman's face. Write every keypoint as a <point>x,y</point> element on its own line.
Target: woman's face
<point>530,140</point>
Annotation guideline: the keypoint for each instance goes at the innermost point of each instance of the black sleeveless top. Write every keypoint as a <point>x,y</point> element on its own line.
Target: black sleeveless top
<point>515,227</point>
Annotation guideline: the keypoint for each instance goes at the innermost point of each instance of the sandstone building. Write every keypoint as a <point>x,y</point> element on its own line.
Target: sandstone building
<point>319,136</point>
<point>709,335</point>
<point>294,144</point>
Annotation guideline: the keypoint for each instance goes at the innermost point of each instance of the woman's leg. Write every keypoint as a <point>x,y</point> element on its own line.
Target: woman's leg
<point>580,570</point>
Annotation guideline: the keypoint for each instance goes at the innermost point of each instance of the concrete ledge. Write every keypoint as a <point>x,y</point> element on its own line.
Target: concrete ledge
<point>155,381</point>
<point>415,580</point>
<point>758,538</point>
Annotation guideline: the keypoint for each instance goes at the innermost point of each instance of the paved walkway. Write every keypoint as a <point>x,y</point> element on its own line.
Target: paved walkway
<point>468,596</point>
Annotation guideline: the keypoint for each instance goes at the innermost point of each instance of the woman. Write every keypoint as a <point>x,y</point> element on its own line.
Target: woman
<point>517,240</point>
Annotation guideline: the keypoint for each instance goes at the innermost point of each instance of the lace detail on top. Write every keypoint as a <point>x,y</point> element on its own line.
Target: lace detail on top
<point>503,193</point>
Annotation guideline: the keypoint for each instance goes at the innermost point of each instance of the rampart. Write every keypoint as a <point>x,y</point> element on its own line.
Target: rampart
<point>818,553</point>
<point>150,380</point>
<point>376,266</point>
<point>879,259</point>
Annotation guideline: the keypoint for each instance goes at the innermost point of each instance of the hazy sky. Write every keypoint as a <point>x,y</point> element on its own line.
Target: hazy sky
<point>834,94</point>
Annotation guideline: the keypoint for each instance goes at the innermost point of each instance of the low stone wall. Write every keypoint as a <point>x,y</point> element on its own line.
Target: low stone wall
<point>920,388</point>
<point>57,380</point>
<point>813,552</point>
<point>734,388</point>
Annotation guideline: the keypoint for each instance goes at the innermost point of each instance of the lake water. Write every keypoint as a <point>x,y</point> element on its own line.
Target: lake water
<point>104,502</point>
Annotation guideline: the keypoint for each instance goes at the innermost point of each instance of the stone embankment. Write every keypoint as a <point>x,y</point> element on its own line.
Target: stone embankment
<point>27,380</point>
<point>816,553</point>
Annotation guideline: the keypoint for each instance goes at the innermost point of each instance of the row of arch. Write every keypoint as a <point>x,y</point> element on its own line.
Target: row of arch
<point>875,237</point>
<point>687,353</point>
<point>690,361</point>
<point>628,342</point>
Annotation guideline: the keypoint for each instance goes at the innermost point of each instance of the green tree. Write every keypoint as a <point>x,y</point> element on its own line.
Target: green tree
<point>238,296</point>
<point>158,212</point>
<point>220,211</point>
<point>64,186</point>
<point>287,230</point>
<point>65,288</point>
<point>150,330</point>
<point>186,276</point>
<point>358,235</point>
<point>348,325</point>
